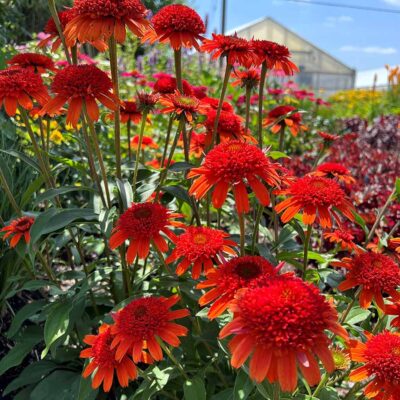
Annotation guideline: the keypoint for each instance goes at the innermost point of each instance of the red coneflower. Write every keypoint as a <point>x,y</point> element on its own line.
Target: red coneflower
<point>284,116</point>
<point>275,56</point>
<point>393,309</point>
<point>229,127</point>
<point>147,141</point>
<point>334,170</point>
<point>246,79</point>
<point>76,84</point>
<point>230,165</point>
<point>140,323</point>
<point>375,273</point>
<point>51,29</point>
<point>328,137</point>
<point>236,49</point>
<point>197,144</point>
<point>35,62</point>
<point>178,25</point>
<point>101,19</point>
<point>200,91</point>
<point>281,327</point>
<point>395,242</point>
<point>18,228</point>
<point>142,224</point>
<point>200,247</point>
<point>228,278</point>
<point>317,197</point>
<point>381,358</point>
<point>103,362</point>
<point>147,101</point>
<point>213,102</point>
<point>129,112</point>
<point>167,85</point>
<point>19,86</point>
<point>182,105</point>
<point>343,238</point>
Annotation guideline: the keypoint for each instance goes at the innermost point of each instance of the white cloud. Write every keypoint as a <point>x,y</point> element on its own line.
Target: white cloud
<point>392,2</point>
<point>369,50</point>
<point>331,22</point>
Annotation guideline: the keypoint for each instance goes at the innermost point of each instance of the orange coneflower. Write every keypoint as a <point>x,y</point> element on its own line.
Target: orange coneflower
<point>213,102</point>
<point>334,170</point>
<point>237,50</point>
<point>226,280</point>
<point>76,84</point>
<point>129,112</point>
<point>147,141</point>
<point>375,273</point>
<point>343,238</point>
<point>234,164</point>
<point>276,56</point>
<point>142,224</point>
<point>178,25</point>
<point>197,144</point>
<point>395,242</point>
<point>246,79</point>
<point>284,116</point>
<point>103,362</point>
<point>18,228</point>
<point>318,198</point>
<point>35,62</point>
<point>142,322</point>
<point>328,137</point>
<point>380,356</point>
<point>282,327</point>
<point>200,247</point>
<point>393,309</point>
<point>19,86</point>
<point>98,20</point>
<point>182,105</point>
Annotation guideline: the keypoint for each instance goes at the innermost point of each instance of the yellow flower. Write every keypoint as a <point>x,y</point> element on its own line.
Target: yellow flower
<point>57,137</point>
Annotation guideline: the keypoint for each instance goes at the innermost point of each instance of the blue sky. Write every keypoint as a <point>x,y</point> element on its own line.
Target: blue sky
<point>361,39</point>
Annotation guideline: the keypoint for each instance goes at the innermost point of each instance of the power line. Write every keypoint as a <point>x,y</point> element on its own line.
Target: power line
<point>341,5</point>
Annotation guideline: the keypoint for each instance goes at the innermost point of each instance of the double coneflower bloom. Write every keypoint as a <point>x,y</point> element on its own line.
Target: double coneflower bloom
<point>334,171</point>
<point>284,116</point>
<point>143,224</point>
<point>32,61</point>
<point>234,165</point>
<point>17,229</point>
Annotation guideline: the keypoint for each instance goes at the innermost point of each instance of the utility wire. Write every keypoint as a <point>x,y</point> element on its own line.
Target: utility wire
<point>341,5</point>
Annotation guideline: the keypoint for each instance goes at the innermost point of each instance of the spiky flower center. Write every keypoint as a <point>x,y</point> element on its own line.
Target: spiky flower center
<point>110,8</point>
<point>247,270</point>
<point>200,238</point>
<point>102,353</point>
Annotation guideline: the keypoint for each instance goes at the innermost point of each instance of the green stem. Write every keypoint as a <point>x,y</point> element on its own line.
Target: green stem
<point>261,103</point>
<point>3,182</point>
<point>319,155</point>
<point>228,70</point>
<point>169,129</point>
<point>248,95</point>
<point>125,272</point>
<point>128,131</point>
<point>306,247</point>
<point>259,214</point>
<point>138,151</point>
<point>281,139</point>
<point>321,384</point>
<point>117,117</point>
<point>168,352</point>
<point>178,69</point>
<point>242,233</point>
<point>276,392</point>
<point>46,268</point>
<point>343,317</point>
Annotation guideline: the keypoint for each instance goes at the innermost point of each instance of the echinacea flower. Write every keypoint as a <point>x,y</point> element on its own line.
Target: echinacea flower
<point>142,224</point>
<point>234,165</point>
<point>341,237</point>
<point>197,144</point>
<point>395,242</point>
<point>380,356</point>
<point>33,61</point>
<point>318,197</point>
<point>200,91</point>
<point>78,85</point>
<point>228,278</point>
<point>213,102</point>
<point>100,19</point>
<point>166,84</point>
<point>147,141</point>
<point>275,56</point>
<point>200,247</point>
<point>129,111</point>
<point>147,101</point>
<point>375,273</point>
<point>284,116</point>
<point>182,105</point>
<point>341,358</point>
<point>393,309</point>
<point>178,25</point>
<point>235,49</point>
<point>103,363</point>
<point>19,87</point>
<point>328,137</point>
<point>282,327</point>
<point>249,78</point>
<point>142,322</point>
<point>334,171</point>
<point>51,30</point>
<point>18,228</point>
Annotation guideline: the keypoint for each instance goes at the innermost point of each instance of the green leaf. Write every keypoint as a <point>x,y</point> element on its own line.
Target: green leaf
<point>55,219</point>
<point>328,393</point>
<point>224,395</point>
<point>24,313</point>
<point>275,155</point>
<point>28,339</point>
<point>56,324</point>
<point>32,188</point>
<point>360,221</point>
<point>178,192</point>
<point>158,378</point>
<point>397,187</point>
<point>125,190</point>
<point>31,374</point>
<point>22,157</point>
<point>49,194</point>
<point>243,386</point>
<point>86,392</point>
<point>357,315</point>
<point>180,167</point>
<point>194,389</point>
